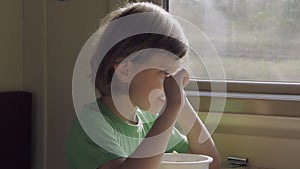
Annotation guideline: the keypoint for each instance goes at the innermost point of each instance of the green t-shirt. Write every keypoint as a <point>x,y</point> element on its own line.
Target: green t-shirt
<point>101,137</point>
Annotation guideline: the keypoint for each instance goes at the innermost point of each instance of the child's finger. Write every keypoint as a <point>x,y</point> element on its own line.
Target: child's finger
<point>182,77</point>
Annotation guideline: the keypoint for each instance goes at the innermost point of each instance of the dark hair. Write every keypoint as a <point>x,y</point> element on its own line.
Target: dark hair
<point>124,48</point>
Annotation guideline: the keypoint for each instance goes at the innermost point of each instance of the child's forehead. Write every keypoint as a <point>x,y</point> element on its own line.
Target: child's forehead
<point>163,61</point>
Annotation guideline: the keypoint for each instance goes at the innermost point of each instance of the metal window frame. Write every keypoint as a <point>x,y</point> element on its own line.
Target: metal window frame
<point>245,97</point>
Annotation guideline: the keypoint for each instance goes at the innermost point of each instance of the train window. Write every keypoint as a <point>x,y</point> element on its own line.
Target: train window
<point>256,40</point>
<point>258,43</point>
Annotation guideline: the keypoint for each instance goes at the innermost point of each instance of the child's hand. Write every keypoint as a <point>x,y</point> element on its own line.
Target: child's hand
<point>173,86</point>
<point>183,77</point>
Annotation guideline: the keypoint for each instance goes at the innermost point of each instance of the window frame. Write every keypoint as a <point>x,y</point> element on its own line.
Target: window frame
<point>247,97</point>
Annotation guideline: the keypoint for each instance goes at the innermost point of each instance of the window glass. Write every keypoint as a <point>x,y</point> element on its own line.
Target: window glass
<point>257,40</point>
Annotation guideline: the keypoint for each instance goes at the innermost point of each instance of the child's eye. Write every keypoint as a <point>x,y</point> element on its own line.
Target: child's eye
<point>164,72</point>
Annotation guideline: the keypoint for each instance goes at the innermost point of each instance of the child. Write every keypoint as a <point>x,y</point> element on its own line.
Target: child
<point>141,86</point>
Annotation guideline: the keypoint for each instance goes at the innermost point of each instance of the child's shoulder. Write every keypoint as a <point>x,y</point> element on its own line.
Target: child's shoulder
<point>94,113</point>
<point>94,108</point>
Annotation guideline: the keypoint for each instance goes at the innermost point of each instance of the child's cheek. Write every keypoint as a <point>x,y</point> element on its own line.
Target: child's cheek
<point>157,101</point>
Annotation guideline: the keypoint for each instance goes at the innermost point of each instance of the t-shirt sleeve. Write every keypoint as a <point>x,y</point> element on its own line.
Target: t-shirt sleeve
<point>92,144</point>
<point>178,142</point>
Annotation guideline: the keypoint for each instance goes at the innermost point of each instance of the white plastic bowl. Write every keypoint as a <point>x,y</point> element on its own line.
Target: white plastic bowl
<point>185,161</point>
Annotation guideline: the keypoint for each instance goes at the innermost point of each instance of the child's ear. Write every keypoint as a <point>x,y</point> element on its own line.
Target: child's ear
<point>122,71</point>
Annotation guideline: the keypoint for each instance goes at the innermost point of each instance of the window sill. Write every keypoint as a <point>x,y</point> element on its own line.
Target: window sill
<point>256,125</point>
<point>247,98</point>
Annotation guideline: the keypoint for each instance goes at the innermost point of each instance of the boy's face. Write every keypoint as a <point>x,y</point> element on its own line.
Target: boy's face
<point>147,88</point>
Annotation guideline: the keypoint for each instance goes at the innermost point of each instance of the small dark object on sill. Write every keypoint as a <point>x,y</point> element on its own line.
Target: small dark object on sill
<point>234,162</point>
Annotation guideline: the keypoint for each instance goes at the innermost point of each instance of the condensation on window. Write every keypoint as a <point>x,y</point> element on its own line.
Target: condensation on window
<point>257,40</point>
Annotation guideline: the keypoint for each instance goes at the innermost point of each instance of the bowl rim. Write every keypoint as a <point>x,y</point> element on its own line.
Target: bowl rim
<point>207,160</point>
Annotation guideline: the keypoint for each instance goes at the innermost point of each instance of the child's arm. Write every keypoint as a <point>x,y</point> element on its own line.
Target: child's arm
<point>149,153</point>
<point>193,126</point>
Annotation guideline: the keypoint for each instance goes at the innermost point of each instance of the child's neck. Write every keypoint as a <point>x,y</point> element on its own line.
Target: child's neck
<point>128,114</point>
